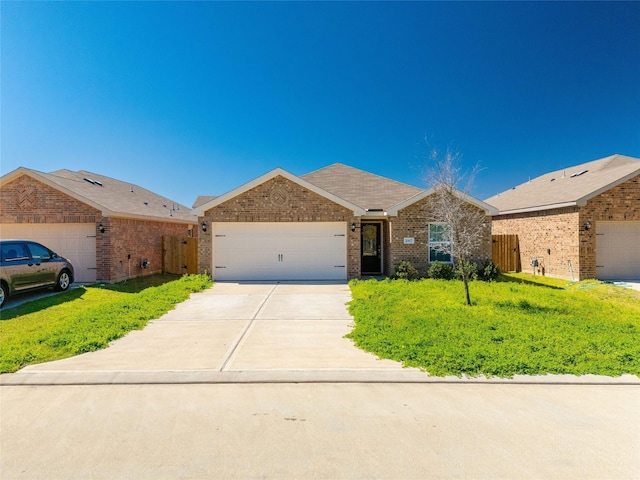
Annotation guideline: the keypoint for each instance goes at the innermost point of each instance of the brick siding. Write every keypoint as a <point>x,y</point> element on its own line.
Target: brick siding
<point>563,231</point>
<point>556,230</point>
<point>26,200</point>
<point>139,239</point>
<point>619,204</point>
<point>279,200</point>
<point>413,222</point>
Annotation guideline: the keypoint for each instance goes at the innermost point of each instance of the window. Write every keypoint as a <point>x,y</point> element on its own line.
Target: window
<point>14,251</point>
<point>440,243</point>
<point>38,251</point>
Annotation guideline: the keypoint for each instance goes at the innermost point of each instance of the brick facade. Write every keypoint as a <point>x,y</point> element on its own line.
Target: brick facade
<point>26,200</point>
<point>279,200</point>
<point>563,231</point>
<point>556,230</point>
<point>413,222</point>
<point>619,204</point>
<point>126,242</point>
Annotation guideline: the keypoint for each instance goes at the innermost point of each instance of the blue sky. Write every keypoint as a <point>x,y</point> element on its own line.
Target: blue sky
<point>197,98</point>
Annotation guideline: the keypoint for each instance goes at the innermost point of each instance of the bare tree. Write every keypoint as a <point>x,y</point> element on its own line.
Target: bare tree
<point>465,225</point>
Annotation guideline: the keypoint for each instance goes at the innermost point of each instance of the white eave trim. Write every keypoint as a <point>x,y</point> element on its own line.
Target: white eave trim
<point>488,209</point>
<point>199,211</point>
<point>583,200</point>
<point>539,208</point>
<point>105,212</point>
<point>150,218</point>
<point>42,178</point>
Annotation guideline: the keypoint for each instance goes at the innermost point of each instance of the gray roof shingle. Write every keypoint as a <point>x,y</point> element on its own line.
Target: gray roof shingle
<point>361,188</point>
<point>568,186</point>
<point>115,197</point>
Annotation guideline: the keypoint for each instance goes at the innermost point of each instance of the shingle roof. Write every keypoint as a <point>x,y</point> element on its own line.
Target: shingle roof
<point>113,197</point>
<point>277,172</point>
<point>568,186</point>
<point>361,188</point>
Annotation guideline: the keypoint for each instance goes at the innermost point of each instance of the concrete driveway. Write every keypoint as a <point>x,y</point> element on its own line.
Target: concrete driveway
<point>257,381</point>
<point>235,332</point>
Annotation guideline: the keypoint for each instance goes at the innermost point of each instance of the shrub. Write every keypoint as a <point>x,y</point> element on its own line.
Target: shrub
<point>405,271</point>
<point>489,271</point>
<point>441,271</point>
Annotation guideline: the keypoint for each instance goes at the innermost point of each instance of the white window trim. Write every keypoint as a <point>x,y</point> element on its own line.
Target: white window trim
<point>439,244</point>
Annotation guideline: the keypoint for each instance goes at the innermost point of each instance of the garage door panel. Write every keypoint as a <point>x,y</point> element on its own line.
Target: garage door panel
<point>279,251</point>
<point>74,241</point>
<point>618,250</point>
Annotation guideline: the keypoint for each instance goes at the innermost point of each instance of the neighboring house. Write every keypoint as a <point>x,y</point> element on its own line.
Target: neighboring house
<point>335,223</point>
<point>578,222</point>
<point>106,228</point>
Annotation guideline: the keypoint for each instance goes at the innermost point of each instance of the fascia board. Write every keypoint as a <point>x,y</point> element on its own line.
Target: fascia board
<point>168,219</point>
<point>104,211</point>
<point>199,211</point>
<point>583,200</point>
<point>537,208</point>
<point>393,211</point>
<point>488,209</point>
<point>43,178</point>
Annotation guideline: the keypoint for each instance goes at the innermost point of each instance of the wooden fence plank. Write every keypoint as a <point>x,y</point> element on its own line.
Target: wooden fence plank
<point>505,252</point>
<point>179,255</point>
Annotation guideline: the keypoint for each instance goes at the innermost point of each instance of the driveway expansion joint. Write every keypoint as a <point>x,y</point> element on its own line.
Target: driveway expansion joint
<point>233,349</point>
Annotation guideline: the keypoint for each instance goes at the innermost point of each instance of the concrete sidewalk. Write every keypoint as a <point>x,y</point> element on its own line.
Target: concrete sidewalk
<point>257,381</point>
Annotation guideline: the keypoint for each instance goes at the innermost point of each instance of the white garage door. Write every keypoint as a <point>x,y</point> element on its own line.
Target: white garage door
<point>618,250</point>
<point>74,241</point>
<point>280,251</point>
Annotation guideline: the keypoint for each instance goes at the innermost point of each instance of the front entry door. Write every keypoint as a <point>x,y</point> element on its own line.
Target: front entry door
<point>371,236</point>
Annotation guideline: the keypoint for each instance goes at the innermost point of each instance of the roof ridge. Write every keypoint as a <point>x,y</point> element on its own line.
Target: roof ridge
<point>365,172</point>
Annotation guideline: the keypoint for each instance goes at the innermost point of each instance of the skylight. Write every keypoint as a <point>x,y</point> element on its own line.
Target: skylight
<point>92,181</point>
<point>577,174</point>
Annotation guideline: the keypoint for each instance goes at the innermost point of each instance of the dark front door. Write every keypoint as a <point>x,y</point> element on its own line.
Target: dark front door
<point>371,248</point>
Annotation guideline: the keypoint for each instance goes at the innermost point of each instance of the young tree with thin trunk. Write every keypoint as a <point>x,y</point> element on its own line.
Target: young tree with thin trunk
<point>465,224</point>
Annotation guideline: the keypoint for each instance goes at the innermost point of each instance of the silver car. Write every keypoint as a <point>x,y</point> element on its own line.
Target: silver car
<point>26,265</point>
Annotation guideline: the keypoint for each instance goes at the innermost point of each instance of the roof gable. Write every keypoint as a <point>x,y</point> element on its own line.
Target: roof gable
<point>572,186</point>
<point>488,209</point>
<point>112,197</point>
<point>369,191</point>
<point>199,210</point>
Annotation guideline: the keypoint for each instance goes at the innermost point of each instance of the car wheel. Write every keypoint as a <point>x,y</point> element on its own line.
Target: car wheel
<point>64,280</point>
<point>4,293</point>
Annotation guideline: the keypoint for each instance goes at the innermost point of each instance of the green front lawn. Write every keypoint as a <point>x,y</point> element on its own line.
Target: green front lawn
<point>522,324</point>
<point>87,318</point>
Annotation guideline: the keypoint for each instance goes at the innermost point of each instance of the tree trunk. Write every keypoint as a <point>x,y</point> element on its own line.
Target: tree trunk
<point>466,290</point>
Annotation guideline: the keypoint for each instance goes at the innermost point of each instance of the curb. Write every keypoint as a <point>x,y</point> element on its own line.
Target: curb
<point>195,377</point>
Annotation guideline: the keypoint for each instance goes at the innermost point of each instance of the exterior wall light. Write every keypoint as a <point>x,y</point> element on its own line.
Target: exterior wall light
<point>353,226</point>
<point>587,226</point>
<point>101,228</point>
<point>204,226</point>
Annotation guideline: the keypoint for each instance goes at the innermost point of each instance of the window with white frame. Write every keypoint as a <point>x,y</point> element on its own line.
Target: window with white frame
<point>440,243</point>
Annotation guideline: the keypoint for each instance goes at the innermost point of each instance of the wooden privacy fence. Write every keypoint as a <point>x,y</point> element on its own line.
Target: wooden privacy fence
<point>505,252</point>
<point>179,255</point>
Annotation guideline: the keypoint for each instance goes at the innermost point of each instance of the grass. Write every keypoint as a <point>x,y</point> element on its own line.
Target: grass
<point>87,318</point>
<point>522,324</point>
